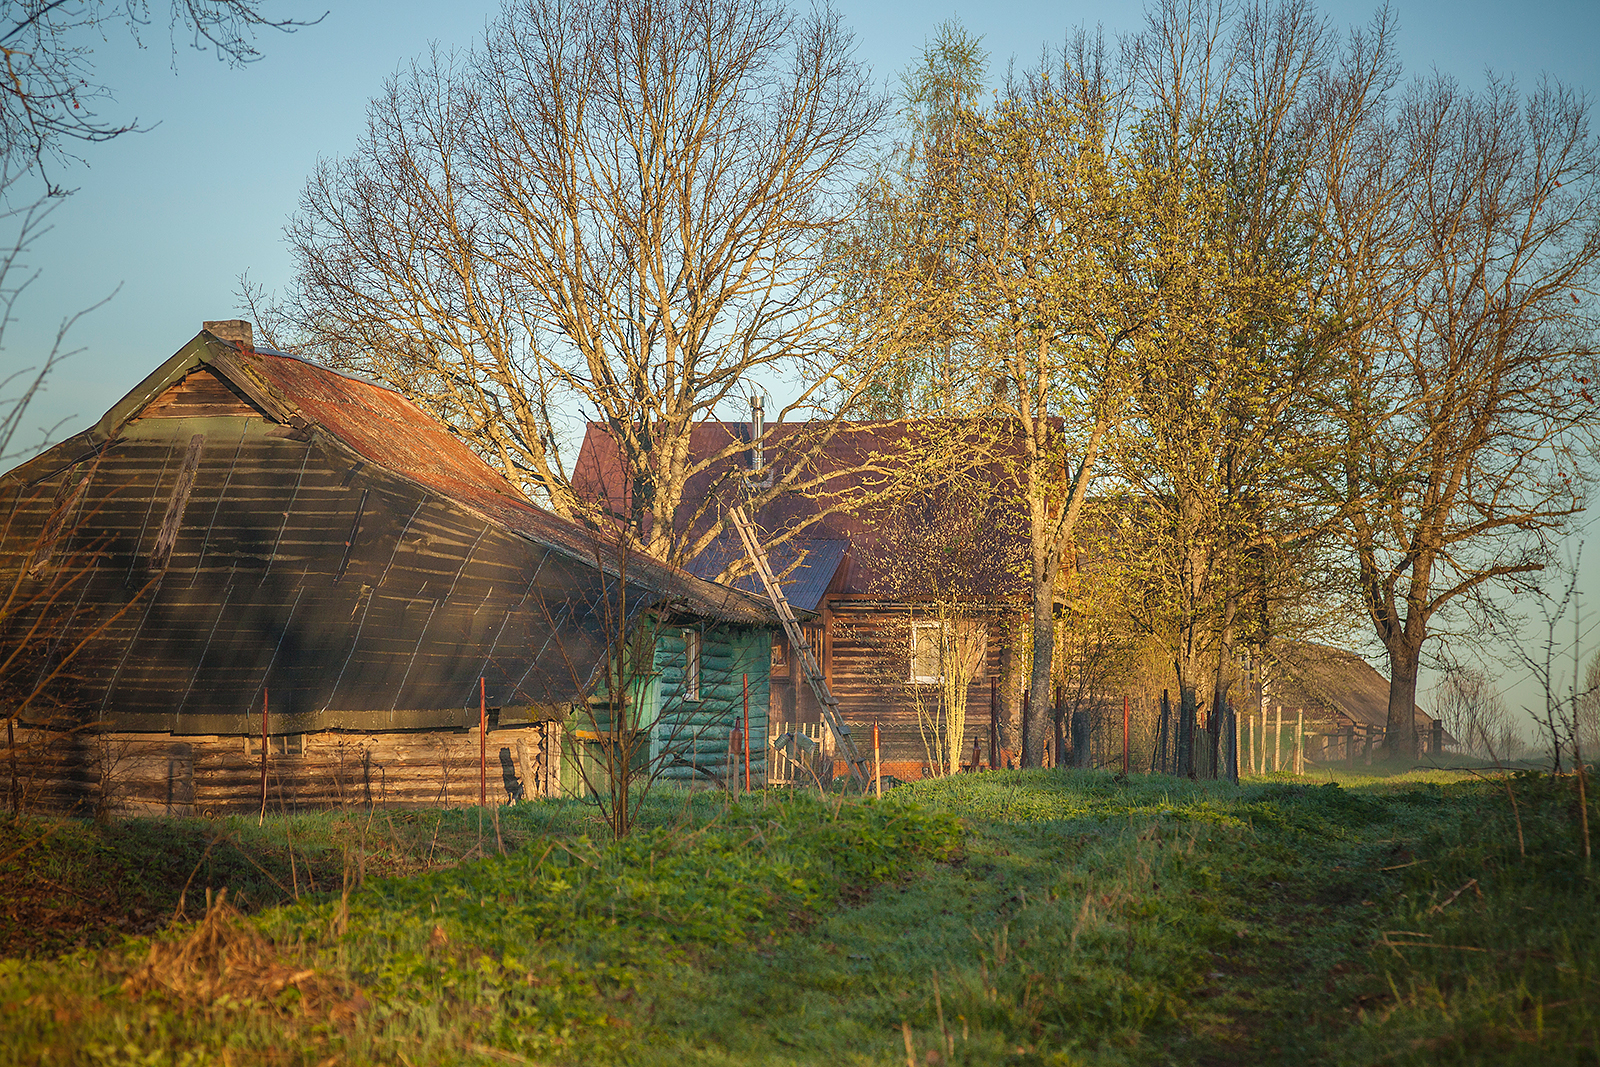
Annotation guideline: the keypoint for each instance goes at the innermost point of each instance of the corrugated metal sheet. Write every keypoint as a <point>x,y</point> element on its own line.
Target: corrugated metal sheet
<point>805,567</point>
<point>328,542</point>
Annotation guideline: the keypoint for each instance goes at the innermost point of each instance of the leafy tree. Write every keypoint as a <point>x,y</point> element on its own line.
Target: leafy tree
<point>1000,275</point>
<point>1240,114</point>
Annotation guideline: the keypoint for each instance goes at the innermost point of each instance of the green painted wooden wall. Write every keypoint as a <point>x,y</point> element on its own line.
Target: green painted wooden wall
<point>692,736</point>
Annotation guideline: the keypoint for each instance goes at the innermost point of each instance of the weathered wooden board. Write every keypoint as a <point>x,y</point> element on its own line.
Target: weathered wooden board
<point>90,772</point>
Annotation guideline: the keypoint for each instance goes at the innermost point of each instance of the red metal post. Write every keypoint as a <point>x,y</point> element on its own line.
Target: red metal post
<point>746,732</point>
<point>264,713</point>
<point>877,763</point>
<point>1124,734</point>
<point>483,746</point>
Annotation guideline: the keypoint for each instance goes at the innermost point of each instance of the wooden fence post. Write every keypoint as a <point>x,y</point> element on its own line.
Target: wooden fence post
<point>1299,740</point>
<point>1232,721</point>
<point>264,713</point>
<point>994,723</point>
<point>877,763</point>
<point>483,746</point>
<point>1277,740</point>
<point>1125,735</point>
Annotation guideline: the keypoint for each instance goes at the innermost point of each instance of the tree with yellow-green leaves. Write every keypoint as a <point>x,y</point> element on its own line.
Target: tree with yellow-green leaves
<point>1001,267</point>
<point>1242,114</point>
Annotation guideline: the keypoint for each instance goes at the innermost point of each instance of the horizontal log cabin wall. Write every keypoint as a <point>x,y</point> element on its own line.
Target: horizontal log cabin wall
<point>696,739</point>
<point>865,656</point>
<point>89,773</point>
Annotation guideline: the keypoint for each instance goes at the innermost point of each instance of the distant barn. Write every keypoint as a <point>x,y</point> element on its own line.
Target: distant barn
<point>1344,700</point>
<point>250,534</point>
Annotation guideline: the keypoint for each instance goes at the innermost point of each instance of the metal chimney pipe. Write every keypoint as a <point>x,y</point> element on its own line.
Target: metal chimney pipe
<point>758,427</point>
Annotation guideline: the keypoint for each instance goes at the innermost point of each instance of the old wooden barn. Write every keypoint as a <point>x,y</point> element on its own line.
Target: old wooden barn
<point>1342,699</point>
<point>249,544</point>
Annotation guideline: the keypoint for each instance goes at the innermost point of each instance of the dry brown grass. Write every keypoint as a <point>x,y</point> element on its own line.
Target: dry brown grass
<point>225,956</point>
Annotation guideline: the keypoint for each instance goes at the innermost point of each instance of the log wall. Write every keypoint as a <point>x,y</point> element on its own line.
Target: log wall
<point>865,656</point>
<point>87,773</point>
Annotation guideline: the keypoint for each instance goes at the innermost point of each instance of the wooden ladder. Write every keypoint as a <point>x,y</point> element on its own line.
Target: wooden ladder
<point>802,650</point>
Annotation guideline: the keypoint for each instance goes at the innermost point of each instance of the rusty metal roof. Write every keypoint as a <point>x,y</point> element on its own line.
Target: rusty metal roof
<point>245,520</point>
<point>1332,683</point>
<point>805,567</point>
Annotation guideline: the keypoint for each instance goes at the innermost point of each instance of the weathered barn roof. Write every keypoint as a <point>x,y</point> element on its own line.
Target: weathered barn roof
<point>389,431</point>
<point>1330,683</point>
<point>838,478</point>
<point>246,519</point>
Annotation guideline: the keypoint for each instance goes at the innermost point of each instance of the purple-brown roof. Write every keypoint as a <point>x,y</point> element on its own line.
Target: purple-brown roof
<point>832,504</point>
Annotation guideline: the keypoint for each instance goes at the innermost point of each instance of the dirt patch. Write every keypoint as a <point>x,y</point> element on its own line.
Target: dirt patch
<point>70,883</point>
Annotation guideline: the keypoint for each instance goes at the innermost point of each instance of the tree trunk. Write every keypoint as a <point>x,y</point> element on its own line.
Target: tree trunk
<point>1222,685</point>
<point>1186,664</point>
<point>1012,681</point>
<point>1059,718</point>
<point>1037,728</point>
<point>1400,731</point>
<point>1188,709</point>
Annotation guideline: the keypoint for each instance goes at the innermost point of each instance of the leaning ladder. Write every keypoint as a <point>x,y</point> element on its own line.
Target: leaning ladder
<point>802,650</point>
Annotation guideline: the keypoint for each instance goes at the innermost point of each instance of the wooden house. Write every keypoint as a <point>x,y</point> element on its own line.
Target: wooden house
<point>895,589</point>
<point>250,551</point>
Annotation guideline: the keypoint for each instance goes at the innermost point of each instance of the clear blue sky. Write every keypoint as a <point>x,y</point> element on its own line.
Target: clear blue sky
<point>174,215</point>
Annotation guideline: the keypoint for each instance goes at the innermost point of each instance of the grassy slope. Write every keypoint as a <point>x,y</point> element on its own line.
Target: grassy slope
<point>1065,919</point>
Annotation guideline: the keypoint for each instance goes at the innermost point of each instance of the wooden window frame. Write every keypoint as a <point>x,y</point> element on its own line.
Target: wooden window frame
<point>692,649</point>
<point>937,677</point>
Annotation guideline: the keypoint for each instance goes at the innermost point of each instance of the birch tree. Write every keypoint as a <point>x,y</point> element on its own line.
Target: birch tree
<point>1005,262</point>
<point>618,210</point>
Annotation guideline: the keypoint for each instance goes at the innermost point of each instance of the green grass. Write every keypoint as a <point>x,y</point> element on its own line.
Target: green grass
<point>1034,917</point>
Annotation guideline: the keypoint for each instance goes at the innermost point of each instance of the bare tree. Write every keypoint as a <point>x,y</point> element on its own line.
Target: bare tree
<point>51,93</point>
<point>1470,707</point>
<point>1588,718</point>
<point>1469,276</point>
<point>610,209</point>
<point>947,547</point>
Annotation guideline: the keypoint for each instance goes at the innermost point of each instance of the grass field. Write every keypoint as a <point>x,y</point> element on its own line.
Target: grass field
<point>1027,918</point>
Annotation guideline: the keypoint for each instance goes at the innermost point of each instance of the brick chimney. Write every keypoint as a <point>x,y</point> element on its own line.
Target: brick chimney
<point>236,332</point>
